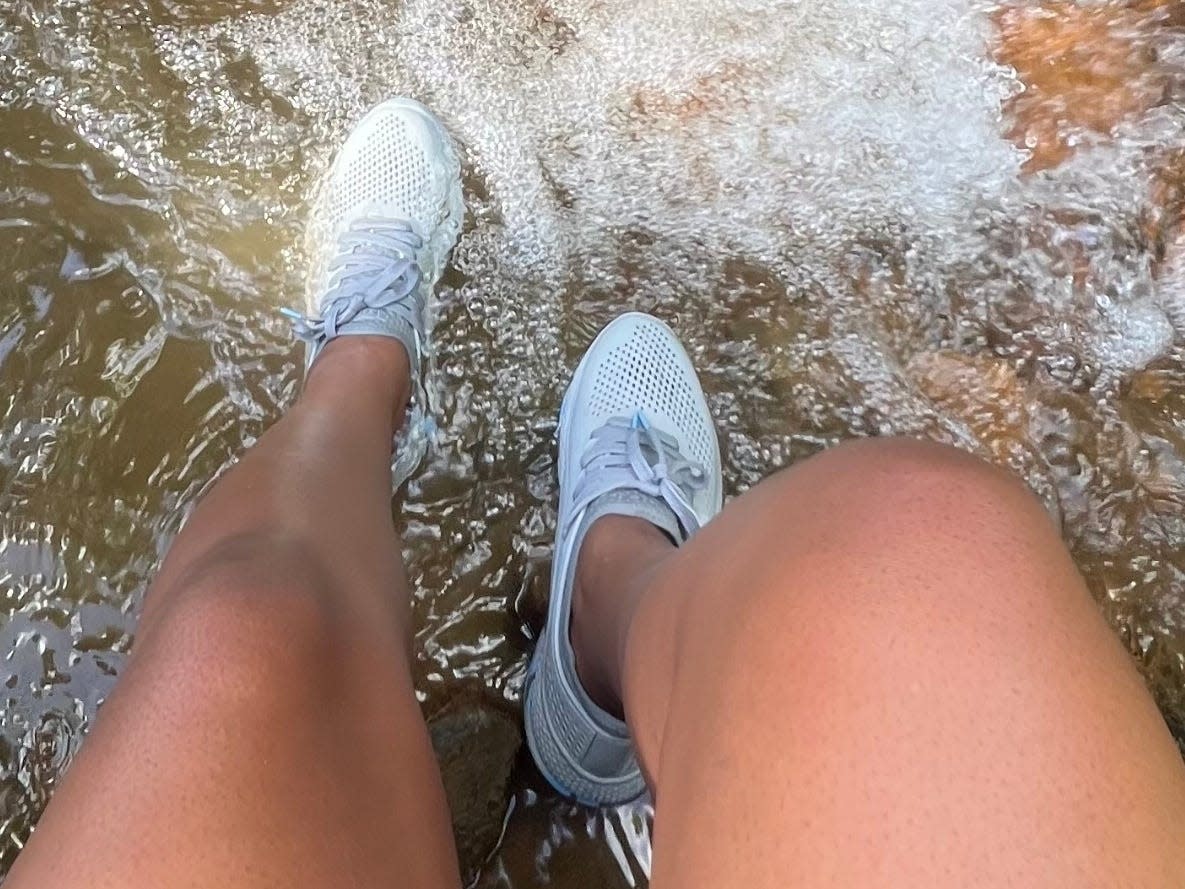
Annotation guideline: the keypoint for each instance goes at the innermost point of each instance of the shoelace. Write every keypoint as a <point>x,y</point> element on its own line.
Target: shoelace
<point>630,453</point>
<point>374,268</point>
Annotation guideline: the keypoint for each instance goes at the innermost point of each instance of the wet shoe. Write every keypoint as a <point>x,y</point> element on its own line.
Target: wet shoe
<point>384,222</point>
<point>635,439</point>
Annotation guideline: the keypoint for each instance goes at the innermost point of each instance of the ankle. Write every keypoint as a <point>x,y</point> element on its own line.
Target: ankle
<point>618,560</point>
<point>376,365</point>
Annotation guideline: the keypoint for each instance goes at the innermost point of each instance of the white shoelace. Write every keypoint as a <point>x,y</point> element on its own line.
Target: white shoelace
<point>374,268</point>
<point>632,454</point>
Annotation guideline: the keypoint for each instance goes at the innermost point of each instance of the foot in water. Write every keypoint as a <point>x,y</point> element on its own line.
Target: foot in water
<point>386,217</point>
<point>636,442</point>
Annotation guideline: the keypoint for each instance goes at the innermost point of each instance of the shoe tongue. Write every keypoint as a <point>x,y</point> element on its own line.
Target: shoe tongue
<point>628,502</point>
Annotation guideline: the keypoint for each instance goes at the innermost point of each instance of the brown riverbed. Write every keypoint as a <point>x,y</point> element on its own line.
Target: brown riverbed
<point>944,218</point>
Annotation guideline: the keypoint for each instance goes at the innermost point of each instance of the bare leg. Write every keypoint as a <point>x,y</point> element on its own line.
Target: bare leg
<point>879,668</point>
<point>266,732</point>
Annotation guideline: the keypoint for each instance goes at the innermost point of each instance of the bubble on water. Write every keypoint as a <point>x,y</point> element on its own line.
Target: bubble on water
<point>631,151</point>
<point>707,127</point>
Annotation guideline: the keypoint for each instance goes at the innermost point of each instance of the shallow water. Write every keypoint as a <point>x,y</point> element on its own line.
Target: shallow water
<point>821,198</point>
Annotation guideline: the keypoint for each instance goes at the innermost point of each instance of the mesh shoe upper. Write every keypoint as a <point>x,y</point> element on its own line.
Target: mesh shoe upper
<point>384,221</point>
<point>638,364</point>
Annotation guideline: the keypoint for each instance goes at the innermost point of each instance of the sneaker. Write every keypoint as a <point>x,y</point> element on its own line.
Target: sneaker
<point>384,222</point>
<point>635,439</point>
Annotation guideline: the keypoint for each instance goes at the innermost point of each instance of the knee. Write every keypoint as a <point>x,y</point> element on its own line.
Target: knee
<point>906,491</point>
<point>890,536</point>
<point>250,620</point>
<point>891,495</point>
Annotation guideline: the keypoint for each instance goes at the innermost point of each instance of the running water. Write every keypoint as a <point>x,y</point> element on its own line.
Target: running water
<point>821,198</point>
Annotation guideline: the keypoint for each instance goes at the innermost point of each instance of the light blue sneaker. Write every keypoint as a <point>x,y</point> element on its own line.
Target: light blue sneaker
<point>635,439</point>
<point>385,219</point>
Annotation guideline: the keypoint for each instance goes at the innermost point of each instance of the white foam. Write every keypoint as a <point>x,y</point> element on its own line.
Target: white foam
<point>740,127</point>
